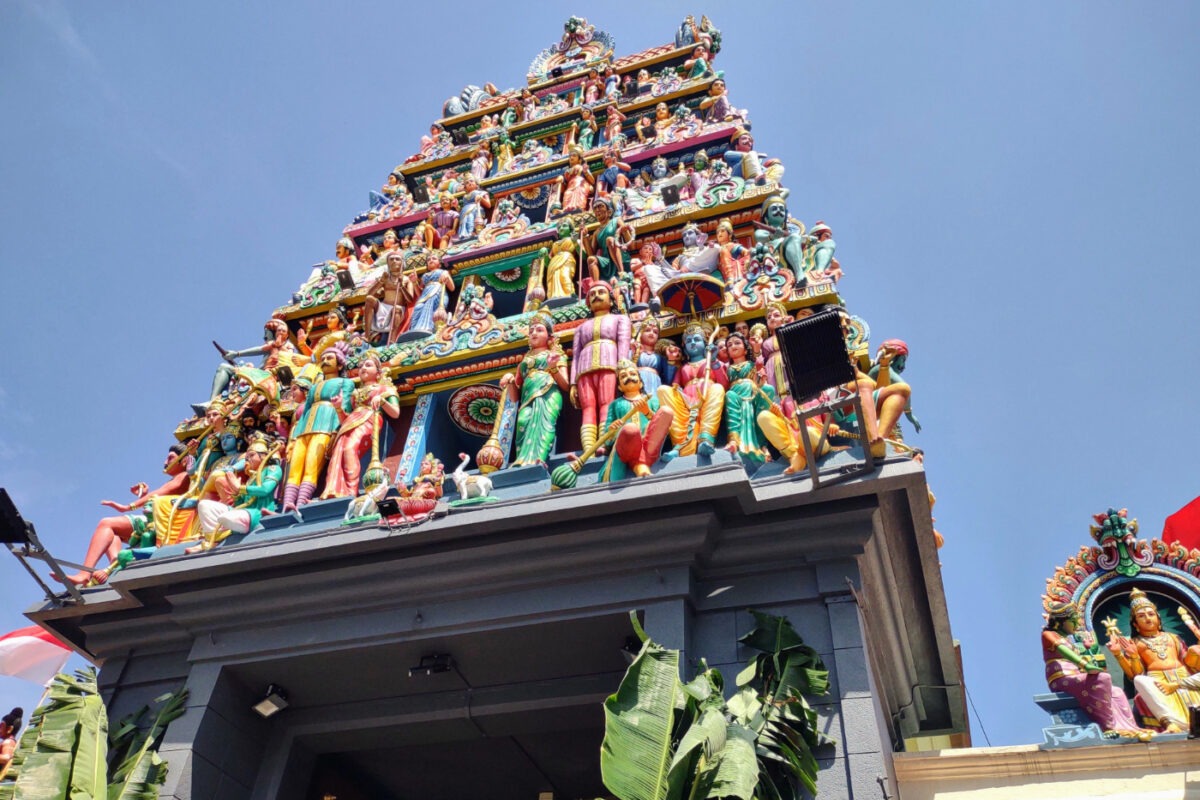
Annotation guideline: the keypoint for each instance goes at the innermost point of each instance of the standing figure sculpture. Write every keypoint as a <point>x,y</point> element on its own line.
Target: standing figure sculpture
<point>575,184</point>
<point>1075,665</point>
<point>643,427</point>
<point>745,401</point>
<point>436,285</point>
<point>473,215</point>
<point>599,344</point>
<point>1158,663</point>
<point>560,270</point>
<point>649,360</point>
<point>696,396</point>
<point>388,301</point>
<point>375,397</point>
<point>537,385</point>
<point>327,402</point>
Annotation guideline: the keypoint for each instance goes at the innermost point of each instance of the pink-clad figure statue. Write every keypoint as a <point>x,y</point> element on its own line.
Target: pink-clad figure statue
<point>600,342</point>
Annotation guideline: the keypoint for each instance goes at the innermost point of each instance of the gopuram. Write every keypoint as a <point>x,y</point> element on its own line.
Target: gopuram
<point>546,377</point>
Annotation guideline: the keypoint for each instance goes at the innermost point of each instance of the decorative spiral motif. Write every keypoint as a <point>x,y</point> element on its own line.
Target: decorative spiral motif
<point>474,408</point>
<point>726,191</point>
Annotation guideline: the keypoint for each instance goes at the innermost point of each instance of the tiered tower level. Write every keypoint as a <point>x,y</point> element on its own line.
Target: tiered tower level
<point>483,305</point>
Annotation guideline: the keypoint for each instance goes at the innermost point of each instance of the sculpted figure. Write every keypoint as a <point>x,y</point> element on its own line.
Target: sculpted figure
<point>643,427</point>
<point>717,107</point>
<point>696,396</point>
<point>444,220</point>
<point>560,270</point>
<point>375,397</point>
<point>1075,665</point>
<point>537,385</point>
<point>387,193</point>
<point>603,243</point>
<point>112,531</point>
<point>745,401</point>
<point>585,132</point>
<point>749,164</point>
<point>388,301</point>
<point>481,163</point>
<point>473,215</point>
<point>892,394</point>
<point>252,481</point>
<point>576,182</point>
<point>276,350</point>
<point>436,285</point>
<point>1158,663</point>
<point>773,369</point>
<point>327,401</point>
<point>732,256</point>
<point>592,88</point>
<point>612,126</point>
<point>698,65</point>
<point>650,360</point>
<point>599,344</point>
<point>777,233</point>
<point>820,239</point>
<point>615,175</point>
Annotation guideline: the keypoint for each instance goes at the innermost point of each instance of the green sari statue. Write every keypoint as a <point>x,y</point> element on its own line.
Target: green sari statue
<point>538,385</point>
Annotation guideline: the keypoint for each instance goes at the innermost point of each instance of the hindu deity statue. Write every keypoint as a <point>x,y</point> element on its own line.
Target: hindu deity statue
<point>717,107</point>
<point>748,163</point>
<point>576,182</point>
<point>612,127</point>
<point>537,385</point>
<point>111,532</point>
<point>585,129</point>
<point>820,241</point>
<point>430,307</point>
<point>481,162</point>
<point>614,176</point>
<point>649,360</point>
<point>473,215</point>
<point>1158,662</point>
<point>892,395</point>
<point>444,221</point>
<point>745,400</point>
<point>649,253</point>
<point>1076,665</point>
<point>690,32</point>
<point>642,427</point>
<point>777,233</point>
<point>276,351</point>
<point>732,256</point>
<point>696,396</point>
<point>599,344</point>
<point>592,89</point>
<point>386,194</point>
<point>698,65</point>
<point>560,270</point>
<point>375,397</point>
<point>388,300</point>
<point>253,481</point>
<point>328,399</point>
<point>603,245</point>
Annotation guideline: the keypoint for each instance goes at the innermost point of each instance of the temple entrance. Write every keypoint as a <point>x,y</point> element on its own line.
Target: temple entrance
<point>505,713</point>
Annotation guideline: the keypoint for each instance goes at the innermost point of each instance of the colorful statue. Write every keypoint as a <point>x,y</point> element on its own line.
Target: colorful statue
<point>585,129</point>
<point>374,398</point>
<point>419,500</point>
<point>614,176</point>
<point>650,361</point>
<point>1075,665</point>
<point>892,394</point>
<point>641,427</point>
<point>481,163</point>
<point>591,90</point>
<point>388,301</point>
<point>537,385</point>
<point>603,245</point>
<point>564,256</point>
<point>696,396</point>
<point>276,350</point>
<point>1159,664</point>
<point>599,344</point>
<point>575,184</point>
<point>749,164</point>
<point>473,215</point>
<point>820,241</point>
<point>430,308</point>
<point>252,481</point>
<point>689,33</point>
<point>745,401</point>
<point>329,398</point>
<point>111,532</point>
<point>781,237</point>
<point>612,127</point>
<point>732,256</point>
<point>445,222</point>
<point>698,65</point>
<point>717,107</point>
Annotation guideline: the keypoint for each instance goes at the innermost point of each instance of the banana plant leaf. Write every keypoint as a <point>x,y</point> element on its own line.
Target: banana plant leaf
<point>635,756</point>
<point>139,775</point>
<point>736,772</point>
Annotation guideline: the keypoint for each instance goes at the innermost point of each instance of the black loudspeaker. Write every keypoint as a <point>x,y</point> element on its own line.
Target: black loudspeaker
<point>459,137</point>
<point>814,354</point>
<point>420,193</point>
<point>670,194</point>
<point>13,528</point>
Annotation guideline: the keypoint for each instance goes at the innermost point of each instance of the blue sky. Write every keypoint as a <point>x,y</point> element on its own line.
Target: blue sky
<point>1012,187</point>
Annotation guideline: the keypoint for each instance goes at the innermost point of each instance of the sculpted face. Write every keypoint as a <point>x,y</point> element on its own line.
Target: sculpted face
<point>599,298</point>
<point>673,353</point>
<point>659,169</point>
<point>649,336</point>
<point>694,345</point>
<point>602,212</point>
<point>691,237</point>
<point>342,251</point>
<point>744,143</point>
<point>1146,621</point>
<point>390,240</point>
<point>329,364</point>
<point>368,370</point>
<point>395,264</point>
<point>776,214</point>
<point>628,380</point>
<point>742,327</point>
<point>735,347</point>
<point>775,318</point>
<point>253,459</point>
<point>539,337</point>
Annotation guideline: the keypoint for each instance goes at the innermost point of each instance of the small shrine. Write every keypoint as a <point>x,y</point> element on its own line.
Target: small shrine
<point>1121,641</point>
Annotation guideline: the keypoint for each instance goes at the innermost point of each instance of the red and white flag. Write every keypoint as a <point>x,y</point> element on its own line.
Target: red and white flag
<point>32,654</point>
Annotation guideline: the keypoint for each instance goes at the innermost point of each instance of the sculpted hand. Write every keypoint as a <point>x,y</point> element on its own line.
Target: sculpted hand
<point>115,506</point>
<point>574,396</point>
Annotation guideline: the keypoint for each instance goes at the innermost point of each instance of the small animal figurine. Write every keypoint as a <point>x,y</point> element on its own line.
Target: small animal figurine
<point>470,487</point>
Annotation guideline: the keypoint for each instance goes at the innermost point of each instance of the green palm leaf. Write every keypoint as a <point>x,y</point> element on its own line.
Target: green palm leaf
<point>142,772</point>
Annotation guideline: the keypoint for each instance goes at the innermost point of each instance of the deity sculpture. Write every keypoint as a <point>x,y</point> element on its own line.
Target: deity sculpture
<point>481,162</point>
<point>375,397</point>
<point>328,399</point>
<point>585,129</point>
<point>1159,664</point>
<point>776,232</point>
<point>690,33</point>
<point>537,386</point>
<point>696,396</point>
<point>745,401</point>
<point>820,240</point>
<point>575,184</point>
<point>642,427</point>
<point>892,395</point>
<point>749,164</point>
<point>615,174</point>
<point>253,482</point>
<point>717,107</point>
<point>111,532</point>
<point>603,245</point>
<point>612,126</point>
<point>732,256</point>
<point>387,193</point>
<point>473,215</point>
<point>591,90</point>
<point>430,307</point>
<point>388,300</point>
<point>599,344</point>
<point>1075,665</point>
<point>560,270</point>
<point>277,351</point>
<point>650,361</point>
<point>698,65</point>
<point>445,222</point>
